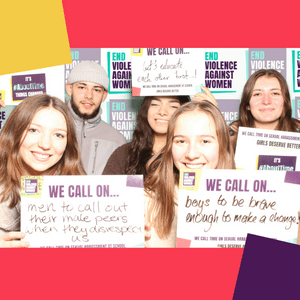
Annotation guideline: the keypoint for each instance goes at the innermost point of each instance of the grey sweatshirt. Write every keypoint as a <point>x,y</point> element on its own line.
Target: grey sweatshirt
<point>97,141</point>
<point>9,217</point>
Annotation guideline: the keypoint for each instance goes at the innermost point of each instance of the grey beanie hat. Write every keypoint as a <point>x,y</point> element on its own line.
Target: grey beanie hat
<point>89,71</point>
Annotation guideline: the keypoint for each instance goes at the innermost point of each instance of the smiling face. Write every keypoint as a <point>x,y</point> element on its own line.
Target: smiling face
<point>160,111</point>
<point>195,142</point>
<point>86,98</point>
<point>266,103</point>
<point>44,142</point>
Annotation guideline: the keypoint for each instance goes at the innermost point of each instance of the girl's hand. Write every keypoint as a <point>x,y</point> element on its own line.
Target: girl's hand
<point>147,233</point>
<point>7,240</point>
<point>207,95</point>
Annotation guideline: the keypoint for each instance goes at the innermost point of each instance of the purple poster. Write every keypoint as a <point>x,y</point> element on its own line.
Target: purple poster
<point>80,54</point>
<point>267,58</point>
<point>188,178</point>
<point>229,109</point>
<point>24,86</point>
<point>276,163</point>
<point>30,186</point>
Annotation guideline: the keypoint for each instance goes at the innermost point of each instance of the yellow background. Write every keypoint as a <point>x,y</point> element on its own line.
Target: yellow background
<point>33,35</point>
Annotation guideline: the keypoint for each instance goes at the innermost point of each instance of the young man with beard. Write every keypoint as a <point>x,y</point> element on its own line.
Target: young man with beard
<point>87,85</point>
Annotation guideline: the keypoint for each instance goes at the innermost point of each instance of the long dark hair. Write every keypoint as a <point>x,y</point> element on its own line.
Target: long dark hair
<point>286,122</point>
<point>11,138</point>
<point>140,149</point>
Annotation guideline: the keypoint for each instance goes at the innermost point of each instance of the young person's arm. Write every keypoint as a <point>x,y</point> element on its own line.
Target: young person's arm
<point>207,95</point>
<point>8,240</point>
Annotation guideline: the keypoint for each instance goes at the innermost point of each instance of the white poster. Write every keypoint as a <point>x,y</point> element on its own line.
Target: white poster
<point>262,149</point>
<point>218,208</point>
<point>167,71</point>
<point>16,87</point>
<point>83,211</point>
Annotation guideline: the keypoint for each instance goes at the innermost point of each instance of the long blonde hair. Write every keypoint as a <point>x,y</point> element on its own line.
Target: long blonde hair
<point>163,176</point>
<point>11,164</point>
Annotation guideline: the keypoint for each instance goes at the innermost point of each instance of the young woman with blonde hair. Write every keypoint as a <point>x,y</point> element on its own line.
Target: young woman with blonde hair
<point>197,138</point>
<point>37,139</point>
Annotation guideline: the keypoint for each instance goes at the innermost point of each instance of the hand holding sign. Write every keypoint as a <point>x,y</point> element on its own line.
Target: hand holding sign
<point>267,149</point>
<point>93,211</point>
<point>7,240</point>
<point>217,208</point>
<point>147,233</point>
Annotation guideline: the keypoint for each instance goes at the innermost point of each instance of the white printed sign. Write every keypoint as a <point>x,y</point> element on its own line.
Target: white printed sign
<point>225,72</point>
<point>167,71</point>
<point>83,211</point>
<point>273,150</point>
<point>218,208</point>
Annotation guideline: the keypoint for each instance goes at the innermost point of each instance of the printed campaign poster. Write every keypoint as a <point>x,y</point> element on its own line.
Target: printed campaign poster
<point>267,58</point>
<point>296,107</point>
<point>218,208</point>
<point>83,211</point>
<point>229,109</point>
<point>27,85</point>
<point>5,113</point>
<point>121,108</point>
<point>225,76</point>
<point>225,72</point>
<point>293,78</point>
<point>262,149</point>
<point>295,70</point>
<point>167,71</point>
<point>122,115</point>
<point>14,88</point>
<point>119,70</point>
<point>78,55</point>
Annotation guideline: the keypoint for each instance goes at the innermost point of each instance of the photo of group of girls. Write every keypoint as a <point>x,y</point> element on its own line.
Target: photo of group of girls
<point>172,133</point>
